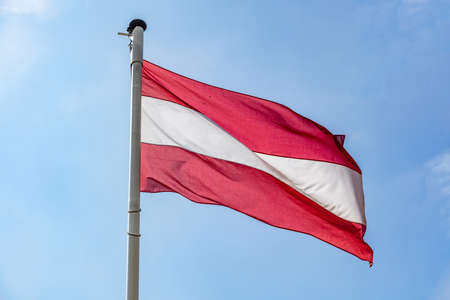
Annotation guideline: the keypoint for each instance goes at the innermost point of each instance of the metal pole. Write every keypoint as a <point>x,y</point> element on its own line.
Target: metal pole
<point>136,31</point>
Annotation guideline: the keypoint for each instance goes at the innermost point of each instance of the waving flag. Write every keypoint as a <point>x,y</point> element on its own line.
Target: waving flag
<point>215,146</point>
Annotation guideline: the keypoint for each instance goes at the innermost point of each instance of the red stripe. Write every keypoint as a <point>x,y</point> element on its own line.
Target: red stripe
<point>253,192</point>
<point>263,126</point>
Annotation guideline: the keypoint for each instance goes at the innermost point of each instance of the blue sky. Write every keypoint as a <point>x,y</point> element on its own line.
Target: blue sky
<point>377,71</point>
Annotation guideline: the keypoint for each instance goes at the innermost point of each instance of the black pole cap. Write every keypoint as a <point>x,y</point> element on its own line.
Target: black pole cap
<point>135,23</point>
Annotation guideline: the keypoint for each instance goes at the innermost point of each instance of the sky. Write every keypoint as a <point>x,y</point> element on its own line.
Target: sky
<point>377,71</point>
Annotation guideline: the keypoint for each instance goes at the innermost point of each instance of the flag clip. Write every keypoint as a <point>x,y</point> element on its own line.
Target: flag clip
<point>136,61</point>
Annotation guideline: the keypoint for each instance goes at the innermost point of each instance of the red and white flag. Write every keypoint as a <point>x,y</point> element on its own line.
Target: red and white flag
<point>215,146</point>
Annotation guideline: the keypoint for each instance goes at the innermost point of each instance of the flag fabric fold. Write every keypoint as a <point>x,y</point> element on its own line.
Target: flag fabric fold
<point>216,146</point>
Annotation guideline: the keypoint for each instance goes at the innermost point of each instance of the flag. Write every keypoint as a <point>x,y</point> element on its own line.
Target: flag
<point>216,146</point>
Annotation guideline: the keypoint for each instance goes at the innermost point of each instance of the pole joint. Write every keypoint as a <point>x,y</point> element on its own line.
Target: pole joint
<point>136,235</point>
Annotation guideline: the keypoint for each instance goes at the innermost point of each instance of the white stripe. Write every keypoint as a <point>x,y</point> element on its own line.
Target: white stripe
<point>335,187</point>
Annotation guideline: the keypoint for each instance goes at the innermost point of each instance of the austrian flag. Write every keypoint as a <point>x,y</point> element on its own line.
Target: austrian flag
<point>258,157</point>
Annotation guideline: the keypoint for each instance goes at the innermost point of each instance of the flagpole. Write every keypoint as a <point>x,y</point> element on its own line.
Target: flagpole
<point>136,35</point>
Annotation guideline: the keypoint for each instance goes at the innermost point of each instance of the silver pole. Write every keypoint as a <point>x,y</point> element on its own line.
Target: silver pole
<point>136,31</point>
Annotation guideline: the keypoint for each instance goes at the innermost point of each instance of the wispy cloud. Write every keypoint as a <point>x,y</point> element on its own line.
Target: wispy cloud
<point>415,2</point>
<point>440,172</point>
<point>20,48</point>
<point>24,7</point>
<point>438,179</point>
<point>414,6</point>
<point>442,290</point>
<point>23,42</point>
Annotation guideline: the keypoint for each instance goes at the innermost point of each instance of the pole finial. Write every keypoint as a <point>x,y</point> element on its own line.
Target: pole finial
<point>134,23</point>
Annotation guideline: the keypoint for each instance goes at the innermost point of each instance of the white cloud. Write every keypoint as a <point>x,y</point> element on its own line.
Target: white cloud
<point>438,183</point>
<point>440,172</point>
<point>24,7</point>
<point>23,42</point>
<point>21,47</point>
<point>442,290</point>
<point>414,6</point>
<point>415,2</point>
